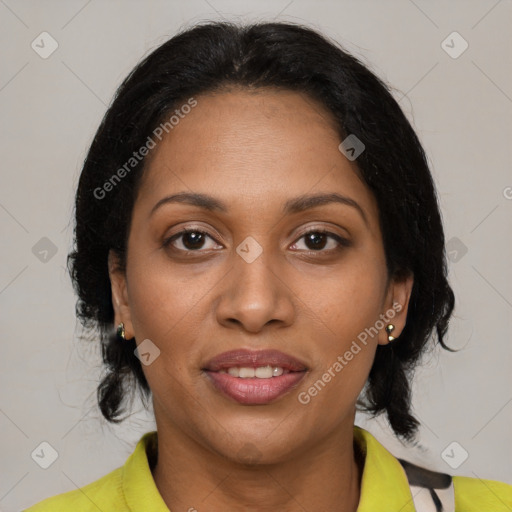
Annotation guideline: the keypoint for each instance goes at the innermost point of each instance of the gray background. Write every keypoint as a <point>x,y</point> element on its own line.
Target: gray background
<point>50,109</point>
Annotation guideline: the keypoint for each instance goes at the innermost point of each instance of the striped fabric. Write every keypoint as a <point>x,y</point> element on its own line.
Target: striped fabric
<point>431,491</point>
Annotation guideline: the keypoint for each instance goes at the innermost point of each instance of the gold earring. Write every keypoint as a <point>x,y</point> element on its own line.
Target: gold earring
<point>120,331</point>
<point>389,329</point>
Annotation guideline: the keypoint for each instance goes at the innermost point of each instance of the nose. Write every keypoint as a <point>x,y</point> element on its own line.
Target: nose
<point>255,294</point>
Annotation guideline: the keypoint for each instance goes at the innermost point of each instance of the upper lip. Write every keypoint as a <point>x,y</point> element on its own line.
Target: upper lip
<point>254,359</point>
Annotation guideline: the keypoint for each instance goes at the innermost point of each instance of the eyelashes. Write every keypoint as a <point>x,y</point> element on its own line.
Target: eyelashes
<point>339,241</point>
<point>195,236</point>
<point>202,234</point>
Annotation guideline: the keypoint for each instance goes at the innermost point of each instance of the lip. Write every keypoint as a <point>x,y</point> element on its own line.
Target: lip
<point>254,391</point>
<point>253,359</point>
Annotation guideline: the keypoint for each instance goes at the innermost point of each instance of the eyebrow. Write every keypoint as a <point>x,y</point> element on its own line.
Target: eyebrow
<point>295,205</point>
<point>304,202</point>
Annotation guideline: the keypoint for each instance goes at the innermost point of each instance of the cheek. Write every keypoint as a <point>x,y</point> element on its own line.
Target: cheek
<point>345,350</point>
<point>347,309</point>
<point>348,300</point>
<point>164,308</point>
<point>163,296</point>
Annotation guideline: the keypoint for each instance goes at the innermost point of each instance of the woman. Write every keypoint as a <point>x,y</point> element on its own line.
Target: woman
<point>257,219</point>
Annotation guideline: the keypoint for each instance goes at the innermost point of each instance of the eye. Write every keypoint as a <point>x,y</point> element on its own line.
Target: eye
<point>189,240</point>
<point>317,240</point>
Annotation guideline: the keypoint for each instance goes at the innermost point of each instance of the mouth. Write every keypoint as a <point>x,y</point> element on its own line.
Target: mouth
<point>254,378</point>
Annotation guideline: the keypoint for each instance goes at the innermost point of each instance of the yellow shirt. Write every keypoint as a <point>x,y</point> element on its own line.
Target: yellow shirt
<point>384,486</point>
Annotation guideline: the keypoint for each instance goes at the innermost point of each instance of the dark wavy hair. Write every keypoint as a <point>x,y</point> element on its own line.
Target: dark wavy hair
<point>215,56</point>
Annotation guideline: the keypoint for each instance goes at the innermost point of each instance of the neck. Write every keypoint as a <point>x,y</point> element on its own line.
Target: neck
<point>325,477</point>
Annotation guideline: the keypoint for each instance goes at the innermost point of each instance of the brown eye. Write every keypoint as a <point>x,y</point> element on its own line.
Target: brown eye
<point>317,240</point>
<point>189,240</point>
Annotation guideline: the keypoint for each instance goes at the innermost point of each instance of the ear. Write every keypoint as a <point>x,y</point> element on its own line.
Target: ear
<point>119,291</point>
<point>396,306</point>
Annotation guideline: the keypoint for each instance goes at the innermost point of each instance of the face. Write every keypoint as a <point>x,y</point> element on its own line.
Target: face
<point>258,271</point>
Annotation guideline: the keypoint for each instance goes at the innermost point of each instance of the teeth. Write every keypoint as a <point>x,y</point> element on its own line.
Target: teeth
<point>246,373</point>
<point>278,371</point>
<point>262,372</point>
<point>265,372</point>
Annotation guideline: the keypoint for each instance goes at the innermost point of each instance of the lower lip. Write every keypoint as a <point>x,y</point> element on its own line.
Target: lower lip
<point>254,391</point>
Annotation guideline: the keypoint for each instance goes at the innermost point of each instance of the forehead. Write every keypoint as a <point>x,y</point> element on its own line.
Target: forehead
<point>259,123</point>
<point>258,145</point>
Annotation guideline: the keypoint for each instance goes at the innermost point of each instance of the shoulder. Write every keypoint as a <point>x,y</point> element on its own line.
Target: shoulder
<point>103,494</point>
<point>416,488</point>
<point>465,493</point>
<point>129,487</point>
<point>475,494</point>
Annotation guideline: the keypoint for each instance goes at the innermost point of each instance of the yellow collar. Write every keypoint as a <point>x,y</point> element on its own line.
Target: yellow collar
<point>384,483</point>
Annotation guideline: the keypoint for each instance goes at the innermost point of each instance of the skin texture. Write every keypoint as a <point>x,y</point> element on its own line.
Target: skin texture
<point>254,150</point>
